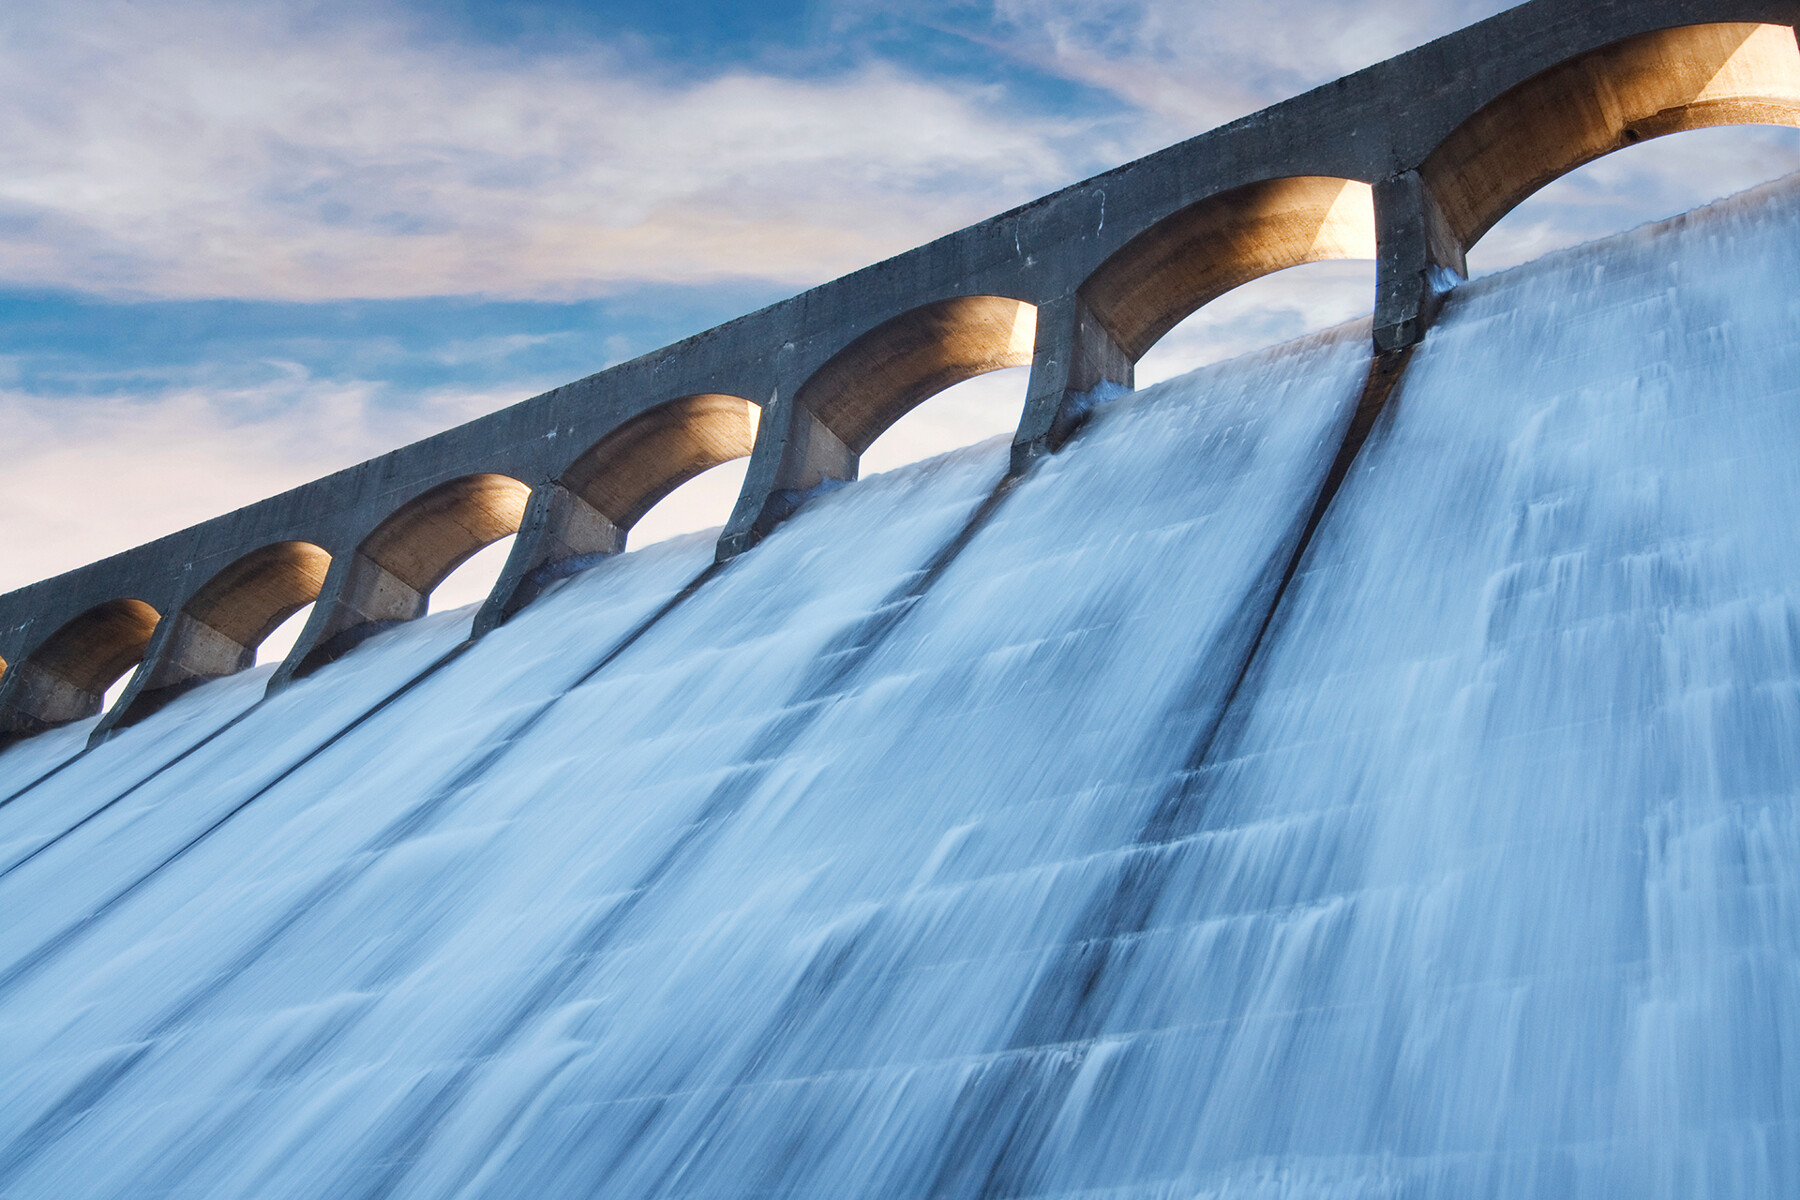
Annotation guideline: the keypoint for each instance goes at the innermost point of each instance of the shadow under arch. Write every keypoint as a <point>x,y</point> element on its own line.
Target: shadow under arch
<point>904,361</point>
<point>1646,86</point>
<point>586,513</point>
<point>65,678</point>
<point>390,577</point>
<point>1198,253</point>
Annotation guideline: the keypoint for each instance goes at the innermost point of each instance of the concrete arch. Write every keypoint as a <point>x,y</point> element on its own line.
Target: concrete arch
<point>244,603</point>
<point>623,475</point>
<point>217,631</point>
<point>65,678</point>
<point>1666,81</point>
<point>818,432</point>
<point>584,515</point>
<point>904,361</point>
<point>1200,252</point>
<point>434,533</point>
<point>390,576</point>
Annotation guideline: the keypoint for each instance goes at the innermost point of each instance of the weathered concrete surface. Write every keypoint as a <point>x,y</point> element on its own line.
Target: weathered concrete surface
<point>1445,138</point>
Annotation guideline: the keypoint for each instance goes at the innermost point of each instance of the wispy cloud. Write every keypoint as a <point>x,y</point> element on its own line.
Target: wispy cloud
<point>209,149</point>
<point>1193,66</point>
<point>90,478</point>
<point>286,155</point>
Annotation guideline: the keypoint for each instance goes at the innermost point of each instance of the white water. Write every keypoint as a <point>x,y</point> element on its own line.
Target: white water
<point>893,863</point>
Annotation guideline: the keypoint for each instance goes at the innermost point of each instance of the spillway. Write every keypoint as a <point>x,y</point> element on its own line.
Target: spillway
<point>1072,836</point>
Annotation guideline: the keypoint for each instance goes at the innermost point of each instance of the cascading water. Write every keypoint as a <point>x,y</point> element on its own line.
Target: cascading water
<point>971,838</point>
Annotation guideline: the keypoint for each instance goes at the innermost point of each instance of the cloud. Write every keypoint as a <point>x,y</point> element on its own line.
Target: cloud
<point>1645,182</point>
<point>1195,66</point>
<point>277,152</point>
<point>209,149</point>
<point>92,477</point>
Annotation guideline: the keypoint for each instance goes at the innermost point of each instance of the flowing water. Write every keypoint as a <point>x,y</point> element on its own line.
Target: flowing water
<point>1049,838</point>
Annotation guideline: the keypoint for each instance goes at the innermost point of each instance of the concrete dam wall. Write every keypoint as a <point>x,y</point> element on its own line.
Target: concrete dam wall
<point>1407,163</point>
<point>1137,825</point>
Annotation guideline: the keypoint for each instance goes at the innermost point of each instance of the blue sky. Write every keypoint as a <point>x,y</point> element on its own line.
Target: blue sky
<point>245,243</point>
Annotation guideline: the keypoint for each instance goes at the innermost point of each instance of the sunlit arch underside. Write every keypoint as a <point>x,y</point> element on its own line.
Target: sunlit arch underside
<point>1669,81</point>
<point>65,678</point>
<point>248,599</point>
<point>434,533</point>
<point>1199,253</point>
<point>903,362</point>
<point>625,473</point>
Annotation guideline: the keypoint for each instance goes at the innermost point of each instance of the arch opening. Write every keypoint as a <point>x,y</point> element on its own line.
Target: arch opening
<point>702,502</point>
<point>238,608</point>
<point>474,577</point>
<point>281,639</point>
<point>221,627</point>
<point>97,647</point>
<point>1647,86</point>
<point>962,414</point>
<point>668,452</point>
<point>890,370</point>
<point>1199,253</point>
<point>67,677</point>
<point>436,532</point>
<point>1649,181</point>
<point>395,570</point>
<point>645,461</point>
<point>1266,311</point>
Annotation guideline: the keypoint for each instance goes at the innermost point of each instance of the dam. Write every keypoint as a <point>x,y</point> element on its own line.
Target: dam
<point>1358,769</point>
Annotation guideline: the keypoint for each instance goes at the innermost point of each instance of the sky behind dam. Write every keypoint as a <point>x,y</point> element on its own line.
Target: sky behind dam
<point>244,244</point>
